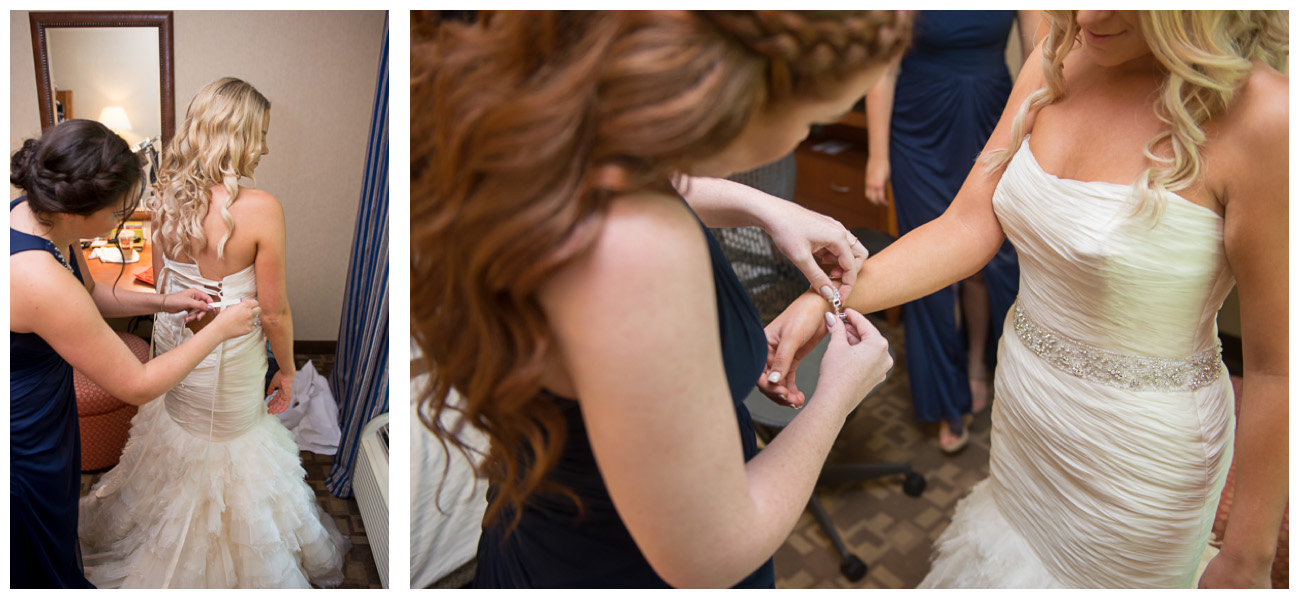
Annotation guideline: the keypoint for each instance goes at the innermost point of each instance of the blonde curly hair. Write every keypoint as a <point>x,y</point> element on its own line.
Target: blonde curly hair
<point>219,142</point>
<point>1208,55</point>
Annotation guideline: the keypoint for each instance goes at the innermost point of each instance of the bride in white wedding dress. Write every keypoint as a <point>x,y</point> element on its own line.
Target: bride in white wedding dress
<point>210,492</point>
<point>1113,414</point>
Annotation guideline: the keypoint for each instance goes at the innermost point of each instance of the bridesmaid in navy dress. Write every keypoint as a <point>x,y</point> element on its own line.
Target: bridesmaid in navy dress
<point>81,180</point>
<point>45,451</point>
<point>607,360</point>
<point>946,97</point>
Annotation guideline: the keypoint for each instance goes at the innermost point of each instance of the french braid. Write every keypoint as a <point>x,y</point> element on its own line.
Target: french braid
<point>78,167</point>
<point>810,51</point>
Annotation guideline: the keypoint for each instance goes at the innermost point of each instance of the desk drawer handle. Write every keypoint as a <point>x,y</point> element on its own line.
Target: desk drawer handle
<point>839,189</point>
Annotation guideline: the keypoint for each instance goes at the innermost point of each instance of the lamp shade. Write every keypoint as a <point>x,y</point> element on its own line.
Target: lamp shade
<point>114,117</point>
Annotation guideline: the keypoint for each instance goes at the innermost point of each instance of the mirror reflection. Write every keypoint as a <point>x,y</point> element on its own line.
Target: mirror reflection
<point>108,74</point>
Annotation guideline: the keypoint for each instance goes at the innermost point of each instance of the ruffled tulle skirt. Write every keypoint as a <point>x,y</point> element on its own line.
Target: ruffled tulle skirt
<point>236,515</point>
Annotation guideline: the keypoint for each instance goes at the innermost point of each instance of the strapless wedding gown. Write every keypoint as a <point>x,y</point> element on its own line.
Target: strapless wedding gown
<point>210,492</point>
<point>1113,414</point>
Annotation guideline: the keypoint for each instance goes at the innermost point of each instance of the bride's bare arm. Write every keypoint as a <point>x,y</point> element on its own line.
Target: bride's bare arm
<point>272,292</point>
<point>958,243</point>
<point>48,301</point>
<point>1255,240</point>
<point>948,249</point>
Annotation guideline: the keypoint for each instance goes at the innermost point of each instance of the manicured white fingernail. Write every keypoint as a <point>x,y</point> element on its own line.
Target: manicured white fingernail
<point>774,377</point>
<point>830,320</point>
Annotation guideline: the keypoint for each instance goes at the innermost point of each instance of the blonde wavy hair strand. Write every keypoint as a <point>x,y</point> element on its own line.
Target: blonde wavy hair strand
<point>219,142</point>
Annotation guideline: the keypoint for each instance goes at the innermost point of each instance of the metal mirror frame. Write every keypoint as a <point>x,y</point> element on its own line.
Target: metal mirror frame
<point>40,21</point>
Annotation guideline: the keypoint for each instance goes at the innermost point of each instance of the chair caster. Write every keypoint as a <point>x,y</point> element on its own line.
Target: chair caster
<point>853,568</point>
<point>914,484</point>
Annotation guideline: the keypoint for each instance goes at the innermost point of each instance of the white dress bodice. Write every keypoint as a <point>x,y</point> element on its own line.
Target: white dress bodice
<point>223,396</point>
<point>1113,414</point>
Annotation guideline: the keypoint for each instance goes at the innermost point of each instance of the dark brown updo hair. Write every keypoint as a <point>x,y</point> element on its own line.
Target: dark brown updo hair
<point>525,126</point>
<point>78,167</point>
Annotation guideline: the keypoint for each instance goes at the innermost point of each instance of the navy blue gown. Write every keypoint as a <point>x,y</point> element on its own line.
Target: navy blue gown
<point>952,87</point>
<point>44,454</point>
<point>554,547</point>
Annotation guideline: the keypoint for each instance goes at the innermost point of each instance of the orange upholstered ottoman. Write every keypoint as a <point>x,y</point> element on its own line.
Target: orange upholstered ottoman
<point>105,421</point>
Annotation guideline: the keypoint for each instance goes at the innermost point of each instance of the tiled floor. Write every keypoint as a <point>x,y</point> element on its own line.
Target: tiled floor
<point>359,569</point>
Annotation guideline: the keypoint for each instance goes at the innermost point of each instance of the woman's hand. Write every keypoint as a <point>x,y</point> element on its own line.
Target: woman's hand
<point>810,239</point>
<point>192,301</point>
<point>790,337</point>
<point>1229,570</point>
<point>237,320</point>
<point>877,178</point>
<point>282,381</point>
<point>856,360</point>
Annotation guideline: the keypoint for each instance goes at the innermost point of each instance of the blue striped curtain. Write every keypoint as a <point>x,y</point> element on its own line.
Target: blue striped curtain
<point>360,377</point>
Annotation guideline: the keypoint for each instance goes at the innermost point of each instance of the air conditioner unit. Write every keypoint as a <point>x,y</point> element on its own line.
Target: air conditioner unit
<point>370,485</point>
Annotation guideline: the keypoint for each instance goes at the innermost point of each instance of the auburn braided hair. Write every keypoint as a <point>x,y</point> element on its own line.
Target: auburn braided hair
<point>524,126</point>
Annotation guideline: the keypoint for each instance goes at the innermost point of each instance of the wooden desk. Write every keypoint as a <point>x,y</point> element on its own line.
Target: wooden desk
<point>106,273</point>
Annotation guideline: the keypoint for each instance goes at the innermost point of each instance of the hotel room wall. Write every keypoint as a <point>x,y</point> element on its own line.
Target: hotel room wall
<point>24,114</point>
<point>318,70</point>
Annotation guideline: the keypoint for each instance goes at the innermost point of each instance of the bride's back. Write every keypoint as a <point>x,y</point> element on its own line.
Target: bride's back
<point>249,213</point>
<point>221,141</point>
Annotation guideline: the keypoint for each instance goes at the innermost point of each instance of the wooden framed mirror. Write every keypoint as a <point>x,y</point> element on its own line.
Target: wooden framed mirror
<point>74,36</point>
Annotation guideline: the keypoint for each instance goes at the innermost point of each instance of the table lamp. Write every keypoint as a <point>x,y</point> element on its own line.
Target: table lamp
<point>114,117</point>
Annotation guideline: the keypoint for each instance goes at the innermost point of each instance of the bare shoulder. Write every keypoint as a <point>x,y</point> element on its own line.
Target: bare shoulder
<point>1259,117</point>
<point>259,212</point>
<point>1248,155</point>
<point>646,240</point>
<point>648,223</point>
<point>258,201</point>
<point>636,296</point>
<point>39,285</point>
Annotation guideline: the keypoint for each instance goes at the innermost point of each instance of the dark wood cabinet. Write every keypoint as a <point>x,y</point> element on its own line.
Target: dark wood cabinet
<point>831,167</point>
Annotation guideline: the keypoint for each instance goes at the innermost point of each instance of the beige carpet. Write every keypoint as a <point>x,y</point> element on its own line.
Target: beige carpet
<point>889,530</point>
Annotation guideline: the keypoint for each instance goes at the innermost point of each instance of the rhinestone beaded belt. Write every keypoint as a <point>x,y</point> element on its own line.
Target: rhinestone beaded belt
<point>1124,371</point>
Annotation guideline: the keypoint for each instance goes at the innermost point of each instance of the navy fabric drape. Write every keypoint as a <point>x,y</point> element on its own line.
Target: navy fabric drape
<point>951,88</point>
<point>360,377</point>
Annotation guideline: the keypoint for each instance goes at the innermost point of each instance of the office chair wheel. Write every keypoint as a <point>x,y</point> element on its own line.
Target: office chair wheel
<point>913,484</point>
<point>853,568</point>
